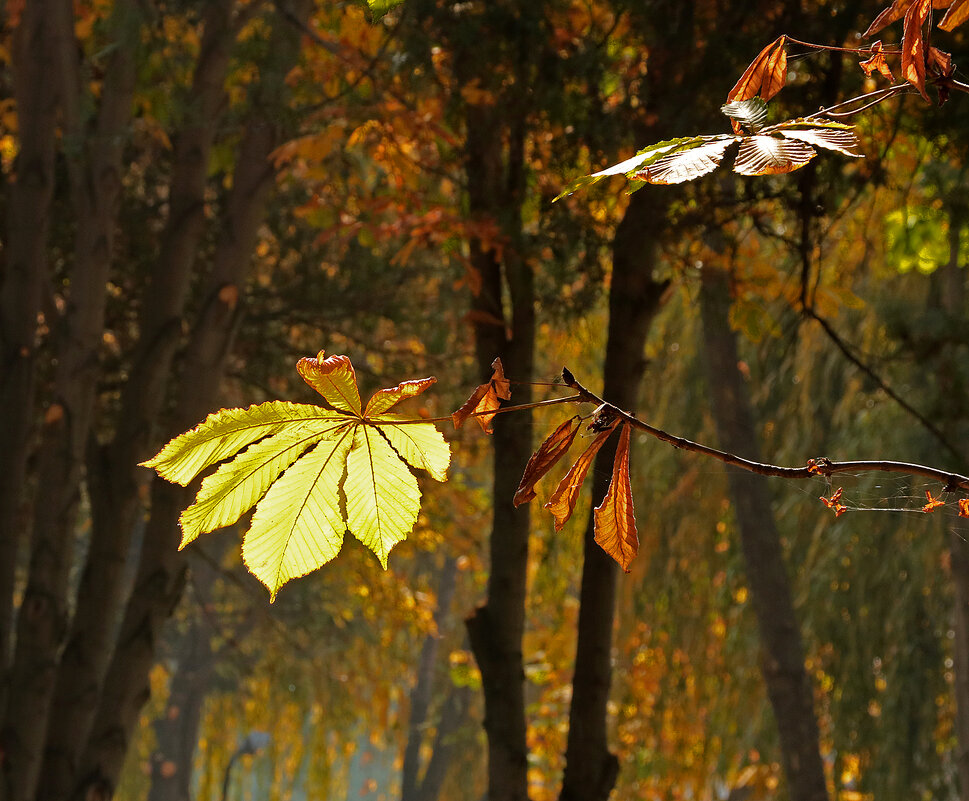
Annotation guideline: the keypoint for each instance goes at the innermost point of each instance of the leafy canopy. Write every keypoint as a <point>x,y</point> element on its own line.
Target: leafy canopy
<point>312,472</point>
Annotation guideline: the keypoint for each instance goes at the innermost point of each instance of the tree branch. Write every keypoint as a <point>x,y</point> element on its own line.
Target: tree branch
<point>820,466</point>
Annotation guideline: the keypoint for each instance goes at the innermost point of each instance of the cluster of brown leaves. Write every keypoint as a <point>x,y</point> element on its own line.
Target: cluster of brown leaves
<point>615,519</point>
<point>767,73</point>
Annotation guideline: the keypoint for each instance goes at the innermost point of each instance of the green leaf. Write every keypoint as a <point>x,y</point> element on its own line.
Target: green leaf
<point>383,499</point>
<point>228,431</point>
<point>299,526</point>
<point>642,159</point>
<point>311,473</point>
<point>380,7</point>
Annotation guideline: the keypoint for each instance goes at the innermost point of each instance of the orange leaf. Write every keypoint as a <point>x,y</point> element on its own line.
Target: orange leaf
<point>385,399</point>
<point>940,63</point>
<point>933,503</point>
<point>877,62</point>
<point>964,507</point>
<point>833,502</point>
<point>957,14</point>
<point>615,516</point>
<point>334,379</point>
<point>894,12</point>
<point>562,502</point>
<point>485,400</point>
<point>913,47</point>
<point>550,451</point>
<point>766,74</point>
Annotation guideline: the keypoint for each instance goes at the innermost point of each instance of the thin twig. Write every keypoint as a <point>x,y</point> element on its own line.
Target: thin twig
<point>821,466</point>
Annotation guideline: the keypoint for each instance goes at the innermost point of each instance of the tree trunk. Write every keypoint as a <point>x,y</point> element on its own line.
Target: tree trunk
<point>495,630</point>
<point>951,296</point>
<point>161,570</point>
<point>782,664</point>
<point>412,788</point>
<point>35,57</point>
<point>634,299</point>
<point>176,732</point>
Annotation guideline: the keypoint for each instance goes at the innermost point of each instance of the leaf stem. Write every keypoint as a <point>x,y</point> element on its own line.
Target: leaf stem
<point>816,467</point>
<point>520,407</point>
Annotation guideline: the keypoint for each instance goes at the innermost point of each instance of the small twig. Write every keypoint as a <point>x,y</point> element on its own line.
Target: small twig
<point>518,408</point>
<point>821,466</point>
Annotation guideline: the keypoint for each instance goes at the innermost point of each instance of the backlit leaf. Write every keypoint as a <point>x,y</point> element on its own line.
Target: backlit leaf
<point>298,526</point>
<point>238,485</point>
<point>913,47</point>
<point>562,502</point>
<point>752,113</point>
<point>843,140</point>
<point>544,459</point>
<point>769,155</point>
<point>421,445</point>
<point>642,159</point>
<point>615,528</point>
<point>486,399</point>
<point>334,379</point>
<point>687,165</point>
<point>766,74</point>
<point>891,14</point>
<point>383,499</point>
<point>228,431</point>
<point>385,399</point>
<point>877,62</point>
<point>311,473</point>
<point>957,14</point>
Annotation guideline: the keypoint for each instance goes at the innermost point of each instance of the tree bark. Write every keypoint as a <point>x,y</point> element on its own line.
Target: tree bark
<point>35,52</point>
<point>634,298</point>
<point>114,479</point>
<point>495,630</point>
<point>782,664</point>
<point>161,571</point>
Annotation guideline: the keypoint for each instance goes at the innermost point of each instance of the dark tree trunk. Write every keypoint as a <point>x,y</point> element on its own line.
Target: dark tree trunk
<point>496,169</point>
<point>23,274</point>
<point>634,298</point>
<point>782,663</point>
<point>161,571</point>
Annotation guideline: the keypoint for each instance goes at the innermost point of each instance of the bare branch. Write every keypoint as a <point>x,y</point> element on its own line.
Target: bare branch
<point>821,466</point>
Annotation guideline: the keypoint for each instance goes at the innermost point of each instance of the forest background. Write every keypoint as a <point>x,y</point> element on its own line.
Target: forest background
<point>253,182</point>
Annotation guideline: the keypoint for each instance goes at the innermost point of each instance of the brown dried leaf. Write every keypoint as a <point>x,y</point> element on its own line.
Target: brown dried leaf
<point>485,400</point>
<point>913,47</point>
<point>940,63</point>
<point>550,451</point>
<point>775,76</point>
<point>562,502</point>
<point>894,12</point>
<point>615,516</point>
<point>877,62</point>
<point>766,74</point>
<point>957,14</point>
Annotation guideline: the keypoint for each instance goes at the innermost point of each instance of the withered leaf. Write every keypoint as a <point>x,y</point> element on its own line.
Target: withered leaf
<point>877,62</point>
<point>550,451</point>
<point>485,400</point>
<point>766,74</point>
<point>913,46</point>
<point>898,9</point>
<point>957,14</point>
<point>615,517</point>
<point>562,502</point>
